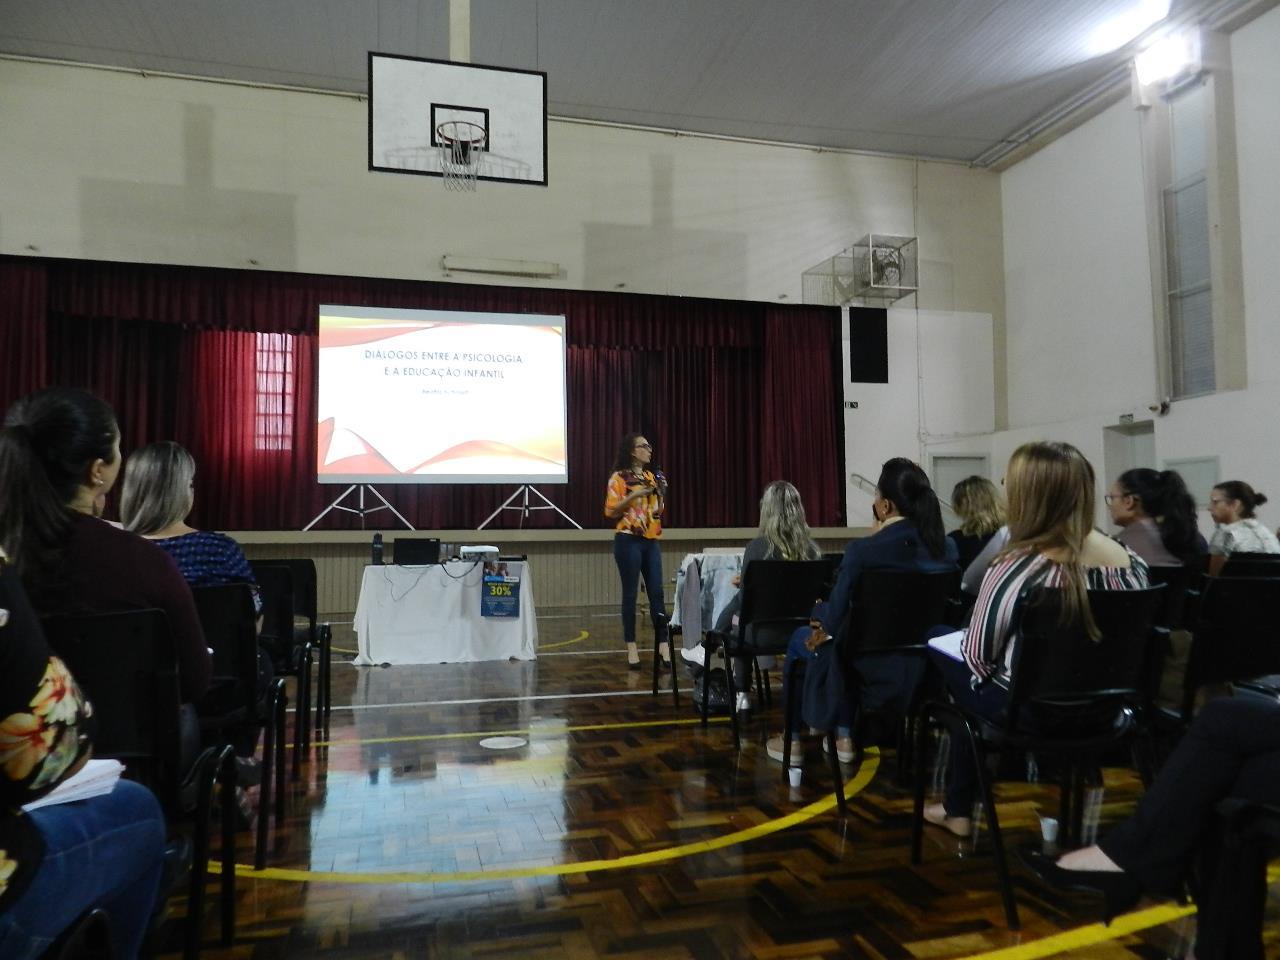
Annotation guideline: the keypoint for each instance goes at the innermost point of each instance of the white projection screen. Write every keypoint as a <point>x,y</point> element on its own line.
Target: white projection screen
<point>440,396</point>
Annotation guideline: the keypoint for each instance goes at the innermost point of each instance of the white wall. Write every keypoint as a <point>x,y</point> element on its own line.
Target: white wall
<point>112,166</point>
<point>939,396</point>
<point>1079,321</point>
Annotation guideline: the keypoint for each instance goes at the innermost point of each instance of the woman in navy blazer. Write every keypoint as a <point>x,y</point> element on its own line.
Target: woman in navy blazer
<point>908,536</point>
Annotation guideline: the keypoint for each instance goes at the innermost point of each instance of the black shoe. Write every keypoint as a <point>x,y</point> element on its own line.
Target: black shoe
<point>1120,891</point>
<point>633,666</point>
<point>248,772</point>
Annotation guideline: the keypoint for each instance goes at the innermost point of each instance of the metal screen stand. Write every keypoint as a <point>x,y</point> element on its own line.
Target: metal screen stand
<point>361,510</point>
<point>524,507</point>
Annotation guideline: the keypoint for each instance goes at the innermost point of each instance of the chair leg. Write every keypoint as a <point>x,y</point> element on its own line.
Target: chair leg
<point>767,688</point>
<point>732,699</point>
<point>835,773</point>
<point>1066,795</point>
<point>656,660</point>
<point>264,789</point>
<point>227,778</point>
<point>706,679</point>
<point>993,823</point>
<point>789,679</point>
<point>205,773</point>
<point>917,814</point>
<point>323,674</point>
<point>281,707</point>
<point>675,668</point>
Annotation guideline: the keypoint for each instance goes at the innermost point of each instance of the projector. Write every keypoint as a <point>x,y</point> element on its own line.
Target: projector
<point>478,553</point>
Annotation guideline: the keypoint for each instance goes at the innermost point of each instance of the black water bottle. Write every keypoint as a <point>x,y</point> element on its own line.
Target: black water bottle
<point>377,549</point>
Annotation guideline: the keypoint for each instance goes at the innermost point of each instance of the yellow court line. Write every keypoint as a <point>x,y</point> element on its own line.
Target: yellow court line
<point>342,649</point>
<point>859,783</point>
<point>564,643</point>
<point>1096,933</point>
<point>549,731</point>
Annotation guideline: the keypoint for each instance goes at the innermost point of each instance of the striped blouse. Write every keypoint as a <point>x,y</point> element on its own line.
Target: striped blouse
<point>988,644</point>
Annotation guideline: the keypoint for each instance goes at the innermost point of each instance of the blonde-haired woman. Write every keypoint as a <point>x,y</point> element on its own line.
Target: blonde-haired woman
<point>784,535</point>
<point>159,492</point>
<point>977,502</point>
<point>1052,544</point>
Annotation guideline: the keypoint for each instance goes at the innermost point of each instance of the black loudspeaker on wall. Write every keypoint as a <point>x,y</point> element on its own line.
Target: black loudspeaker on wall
<point>868,345</point>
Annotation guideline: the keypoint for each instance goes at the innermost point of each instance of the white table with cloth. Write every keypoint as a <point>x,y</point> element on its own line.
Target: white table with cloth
<point>431,614</point>
<point>704,587</point>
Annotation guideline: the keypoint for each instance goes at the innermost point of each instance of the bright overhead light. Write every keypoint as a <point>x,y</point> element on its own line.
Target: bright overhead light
<point>1168,57</point>
<point>1119,30</point>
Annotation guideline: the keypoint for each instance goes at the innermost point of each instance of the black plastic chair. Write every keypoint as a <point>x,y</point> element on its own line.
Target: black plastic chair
<point>1251,565</point>
<point>888,616</point>
<point>127,667</point>
<point>229,623</point>
<point>319,635</point>
<point>291,654</point>
<point>1236,634</point>
<point>1069,696</point>
<point>777,597</point>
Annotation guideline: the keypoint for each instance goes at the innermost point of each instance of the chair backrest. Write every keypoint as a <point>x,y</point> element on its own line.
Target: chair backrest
<point>126,665</point>
<point>892,609</point>
<point>777,597</point>
<point>1171,611</point>
<point>832,560</point>
<point>276,584</point>
<point>227,617</point>
<point>305,594</point>
<point>1251,565</point>
<point>1237,633</point>
<point>1069,676</point>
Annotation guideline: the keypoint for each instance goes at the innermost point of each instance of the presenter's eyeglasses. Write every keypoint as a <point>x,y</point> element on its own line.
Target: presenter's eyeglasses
<point>644,446</point>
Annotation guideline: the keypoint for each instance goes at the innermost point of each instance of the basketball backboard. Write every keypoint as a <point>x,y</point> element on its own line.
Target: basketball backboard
<point>411,97</point>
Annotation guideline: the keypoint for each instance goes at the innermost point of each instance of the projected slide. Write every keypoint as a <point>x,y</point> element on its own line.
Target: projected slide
<point>440,396</point>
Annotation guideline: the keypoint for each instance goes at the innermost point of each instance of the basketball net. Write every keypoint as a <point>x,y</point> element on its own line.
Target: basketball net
<point>461,150</point>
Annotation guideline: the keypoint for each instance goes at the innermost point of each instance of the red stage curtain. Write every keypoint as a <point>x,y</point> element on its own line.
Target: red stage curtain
<point>23,309</point>
<point>733,394</point>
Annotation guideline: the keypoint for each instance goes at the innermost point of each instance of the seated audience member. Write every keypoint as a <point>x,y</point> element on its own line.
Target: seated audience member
<point>1052,544</point>
<point>971,579</point>
<point>158,494</point>
<point>1231,505</point>
<point>1232,750</point>
<point>977,502</point>
<point>61,451</point>
<point>1157,517</point>
<point>784,535</point>
<point>62,860</point>
<point>909,537</point>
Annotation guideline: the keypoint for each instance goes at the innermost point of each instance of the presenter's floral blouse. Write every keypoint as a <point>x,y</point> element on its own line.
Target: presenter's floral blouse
<point>643,517</point>
<point>43,732</point>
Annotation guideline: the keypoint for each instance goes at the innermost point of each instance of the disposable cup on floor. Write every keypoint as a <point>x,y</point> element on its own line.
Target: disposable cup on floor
<point>1049,829</point>
<point>793,774</point>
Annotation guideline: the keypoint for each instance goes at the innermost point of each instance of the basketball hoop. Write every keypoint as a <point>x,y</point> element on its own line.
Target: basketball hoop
<point>461,148</point>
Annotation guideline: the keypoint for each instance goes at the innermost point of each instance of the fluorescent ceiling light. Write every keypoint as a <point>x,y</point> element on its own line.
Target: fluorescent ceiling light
<point>1119,30</point>
<point>1167,57</point>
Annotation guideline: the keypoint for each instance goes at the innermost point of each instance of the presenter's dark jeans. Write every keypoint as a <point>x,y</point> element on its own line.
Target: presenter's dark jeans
<point>637,557</point>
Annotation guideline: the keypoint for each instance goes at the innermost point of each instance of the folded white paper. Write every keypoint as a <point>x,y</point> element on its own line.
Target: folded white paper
<point>94,779</point>
<point>950,644</point>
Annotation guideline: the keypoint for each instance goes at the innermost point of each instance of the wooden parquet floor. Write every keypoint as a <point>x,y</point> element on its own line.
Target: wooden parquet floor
<point>622,829</point>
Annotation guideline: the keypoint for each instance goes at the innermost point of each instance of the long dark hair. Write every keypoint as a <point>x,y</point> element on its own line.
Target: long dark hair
<point>1249,498</point>
<point>908,487</point>
<point>623,459</point>
<point>49,440</point>
<point>1166,500</point>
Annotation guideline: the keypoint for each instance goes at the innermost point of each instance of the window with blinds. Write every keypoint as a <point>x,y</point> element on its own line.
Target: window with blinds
<point>273,427</point>
<point>1186,235</point>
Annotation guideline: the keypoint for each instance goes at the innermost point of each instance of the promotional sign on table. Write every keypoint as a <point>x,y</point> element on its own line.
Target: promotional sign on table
<point>500,591</point>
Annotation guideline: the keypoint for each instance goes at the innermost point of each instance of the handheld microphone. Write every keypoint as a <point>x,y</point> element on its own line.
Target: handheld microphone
<point>662,482</point>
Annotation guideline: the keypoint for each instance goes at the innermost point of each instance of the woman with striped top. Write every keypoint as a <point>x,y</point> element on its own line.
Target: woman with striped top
<point>1052,544</point>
